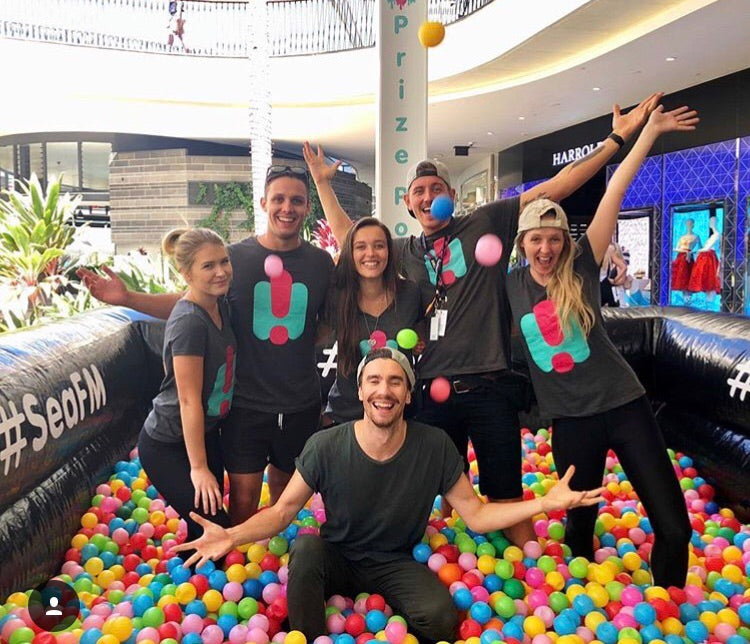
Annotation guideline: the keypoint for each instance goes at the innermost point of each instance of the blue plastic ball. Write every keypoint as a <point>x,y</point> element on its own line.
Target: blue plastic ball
<point>180,574</point>
<point>196,607</point>
<point>583,604</point>
<point>490,635</point>
<point>696,630</point>
<point>252,588</point>
<point>463,599</point>
<point>192,638</point>
<point>226,623</point>
<point>650,632</point>
<point>481,612</point>
<point>375,620</point>
<point>421,552</point>
<point>644,613</point>
<point>564,625</point>
<point>442,207</point>
<point>492,583</point>
<point>607,632</point>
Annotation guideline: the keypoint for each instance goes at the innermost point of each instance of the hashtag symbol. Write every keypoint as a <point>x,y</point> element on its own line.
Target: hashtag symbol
<point>14,441</point>
<point>330,364</point>
<point>741,381</point>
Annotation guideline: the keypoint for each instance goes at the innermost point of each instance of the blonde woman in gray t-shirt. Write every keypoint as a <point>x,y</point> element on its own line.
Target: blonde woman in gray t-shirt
<point>580,379</point>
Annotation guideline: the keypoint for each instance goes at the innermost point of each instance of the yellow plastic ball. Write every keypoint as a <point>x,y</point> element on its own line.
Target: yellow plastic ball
<point>631,561</point>
<point>728,616</point>
<point>173,525</point>
<point>555,579</point>
<point>593,619</point>
<point>295,637</point>
<point>709,620</point>
<point>486,564</point>
<point>108,639</point>
<point>631,520</point>
<point>410,639</point>
<point>94,566</point>
<point>253,570</point>
<point>533,626</point>
<point>120,627</point>
<point>236,572</point>
<point>719,597</point>
<point>145,580</point>
<point>79,541</point>
<point>165,600</point>
<point>641,577</point>
<point>185,593</point>
<point>672,626</point>
<point>138,484</point>
<point>598,594</point>
<point>573,591</point>
<point>607,521</point>
<point>513,554</point>
<point>431,33</point>
<point>213,600</point>
<point>89,520</point>
<point>438,539</point>
<point>256,552</point>
<point>656,592</point>
<point>157,517</point>
<point>105,578</point>
<point>19,599</point>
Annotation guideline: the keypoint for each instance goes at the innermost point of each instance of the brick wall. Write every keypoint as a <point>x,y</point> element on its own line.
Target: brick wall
<point>149,193</point>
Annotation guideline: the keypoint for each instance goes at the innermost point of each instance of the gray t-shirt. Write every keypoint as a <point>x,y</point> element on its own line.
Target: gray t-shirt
<point>477,332</point>
<point>378,510</point>
<point>190,331</point>
<point>572,375</point>
<point>404,312</point>
<point>275,322</point>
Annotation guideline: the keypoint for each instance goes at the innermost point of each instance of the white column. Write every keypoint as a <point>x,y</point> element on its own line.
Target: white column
<point>401,132</point>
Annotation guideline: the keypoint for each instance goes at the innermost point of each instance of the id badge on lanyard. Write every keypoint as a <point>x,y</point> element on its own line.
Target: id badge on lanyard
<point>439,319</point>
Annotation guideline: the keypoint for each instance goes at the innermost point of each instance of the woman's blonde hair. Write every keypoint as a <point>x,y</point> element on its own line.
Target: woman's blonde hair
<point>182,244</point>
<point>565,287</point>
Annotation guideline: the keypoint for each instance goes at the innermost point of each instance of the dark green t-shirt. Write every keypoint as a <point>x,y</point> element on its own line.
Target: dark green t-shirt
<point>190,331</point>
<point>573,375</point>
<point>477,333</point>
<point>378,510</point>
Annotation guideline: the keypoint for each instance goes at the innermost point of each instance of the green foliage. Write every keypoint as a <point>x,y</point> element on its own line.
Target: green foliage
<point>227,199</point>
<point>146,274</point>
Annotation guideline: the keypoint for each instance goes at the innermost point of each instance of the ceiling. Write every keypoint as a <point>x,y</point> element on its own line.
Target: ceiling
<point>536,59</point>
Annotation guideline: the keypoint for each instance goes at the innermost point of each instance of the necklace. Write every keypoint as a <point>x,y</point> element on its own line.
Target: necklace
<point>375,338</point>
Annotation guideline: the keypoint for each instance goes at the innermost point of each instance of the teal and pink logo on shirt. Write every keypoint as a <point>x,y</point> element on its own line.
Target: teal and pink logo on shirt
<point>279,308</point>
<point>453,261</point>
<point>220,399</point>
<point>551,347</point>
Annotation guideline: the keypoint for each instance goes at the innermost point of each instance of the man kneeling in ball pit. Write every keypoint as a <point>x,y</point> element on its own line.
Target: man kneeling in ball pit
<point>378,478</point>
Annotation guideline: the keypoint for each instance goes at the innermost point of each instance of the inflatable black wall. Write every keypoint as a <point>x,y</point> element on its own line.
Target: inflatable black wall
<point>73,396</point>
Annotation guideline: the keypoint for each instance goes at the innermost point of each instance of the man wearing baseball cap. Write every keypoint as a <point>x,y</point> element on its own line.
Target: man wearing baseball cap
<point>378,478</point>
<point>469,340</point>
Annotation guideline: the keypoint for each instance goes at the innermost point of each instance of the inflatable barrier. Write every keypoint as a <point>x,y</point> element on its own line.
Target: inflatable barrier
<point>73,396</point>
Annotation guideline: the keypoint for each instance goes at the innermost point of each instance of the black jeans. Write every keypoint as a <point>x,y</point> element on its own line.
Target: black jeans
<point>632,432</point>
<point>488,415</point>
<point>168,467</point>
<point>318,569</point>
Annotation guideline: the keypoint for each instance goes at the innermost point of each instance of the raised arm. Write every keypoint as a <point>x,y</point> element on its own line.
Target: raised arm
<point>575,174</point>
<point>112,290</point>
<point>486,517</point>
<point>217,541</point>
<point>603,224</point>
<point>322,175</point>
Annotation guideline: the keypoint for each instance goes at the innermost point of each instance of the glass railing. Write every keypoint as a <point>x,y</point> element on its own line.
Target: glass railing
<point>208,28</point>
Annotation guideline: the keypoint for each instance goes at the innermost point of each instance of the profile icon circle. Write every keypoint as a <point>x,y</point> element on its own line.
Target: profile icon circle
<point>54,607</point>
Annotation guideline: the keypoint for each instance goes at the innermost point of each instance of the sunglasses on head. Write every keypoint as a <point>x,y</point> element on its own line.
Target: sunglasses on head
<point>276,171</point>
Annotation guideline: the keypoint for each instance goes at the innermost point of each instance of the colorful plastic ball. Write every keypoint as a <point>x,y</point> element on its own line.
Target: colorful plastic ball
<point>440,389</point>
<point>489,250</point>
<point>441,207</point>
<point>407,339</point>
<point>395,631</point>
<point>431,33</point>
<point>273,266</point>
<point>375,620</point>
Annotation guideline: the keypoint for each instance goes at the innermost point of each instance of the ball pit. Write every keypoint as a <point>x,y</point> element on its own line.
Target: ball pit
<point>134,590</point>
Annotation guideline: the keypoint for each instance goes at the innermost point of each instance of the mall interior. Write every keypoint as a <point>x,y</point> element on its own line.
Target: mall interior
<point>143,107</point>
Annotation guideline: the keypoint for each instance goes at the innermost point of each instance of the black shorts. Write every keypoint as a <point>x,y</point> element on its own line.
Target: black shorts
<point>251,439</point>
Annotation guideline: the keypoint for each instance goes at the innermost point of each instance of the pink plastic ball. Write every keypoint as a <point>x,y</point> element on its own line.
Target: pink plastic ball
<point>623,620</point>
<point>630,596</point>
<point>541,639</point>
<point>395,632</point>
<point>540,528</point>
<point>283,575</point>
<point>585,634</point>
<point>337,601</point>
<point>257,635</point>
<point>257,621</point>
<point>480,594</point>
<point>238,634</point>
<point>546,614</point>
<point>489,250</point>
<point>521,608</point>
<point>271,592</point>
<point>534,577</point>
<point>335,623</point>
<point>279,637</point>
<point>323,639</point>
<point>467,561</point>
<point>233,591</point>
<point>533,549</point>
<point>192,623</point>
<point>273,266</point>
<point>723,631</point>
<point>148,633</point>
<point>436,562</point>
<point>537,598</point>
<point>440,389</point>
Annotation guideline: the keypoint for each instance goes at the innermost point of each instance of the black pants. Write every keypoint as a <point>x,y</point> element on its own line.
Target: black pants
<point>631,431</point>
<point>168,467</point>
<point>318,569</point>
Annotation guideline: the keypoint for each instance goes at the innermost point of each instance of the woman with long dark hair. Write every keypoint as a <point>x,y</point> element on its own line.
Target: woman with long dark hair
<point>369,303</point>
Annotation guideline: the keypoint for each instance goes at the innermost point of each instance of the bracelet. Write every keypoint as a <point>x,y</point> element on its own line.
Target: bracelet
<point>617,139</point>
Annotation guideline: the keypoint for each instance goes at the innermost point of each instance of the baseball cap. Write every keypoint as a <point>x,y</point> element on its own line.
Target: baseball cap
<point>428,168</point>
<point>542,213</point>
<point>389,353</point>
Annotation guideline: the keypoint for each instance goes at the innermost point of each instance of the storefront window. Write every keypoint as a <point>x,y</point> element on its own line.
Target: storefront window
<point>634,238</point>
<point>474,192</point>
<point>695,274</point>
<point>62,159</point>
<point>96,166</point>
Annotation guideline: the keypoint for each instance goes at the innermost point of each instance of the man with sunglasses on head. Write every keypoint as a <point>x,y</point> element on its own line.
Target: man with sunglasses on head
<point>275,305</point>
<point>466,305</point>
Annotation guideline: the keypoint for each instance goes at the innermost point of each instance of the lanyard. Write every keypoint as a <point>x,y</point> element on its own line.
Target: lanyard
<point>437,262</point>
